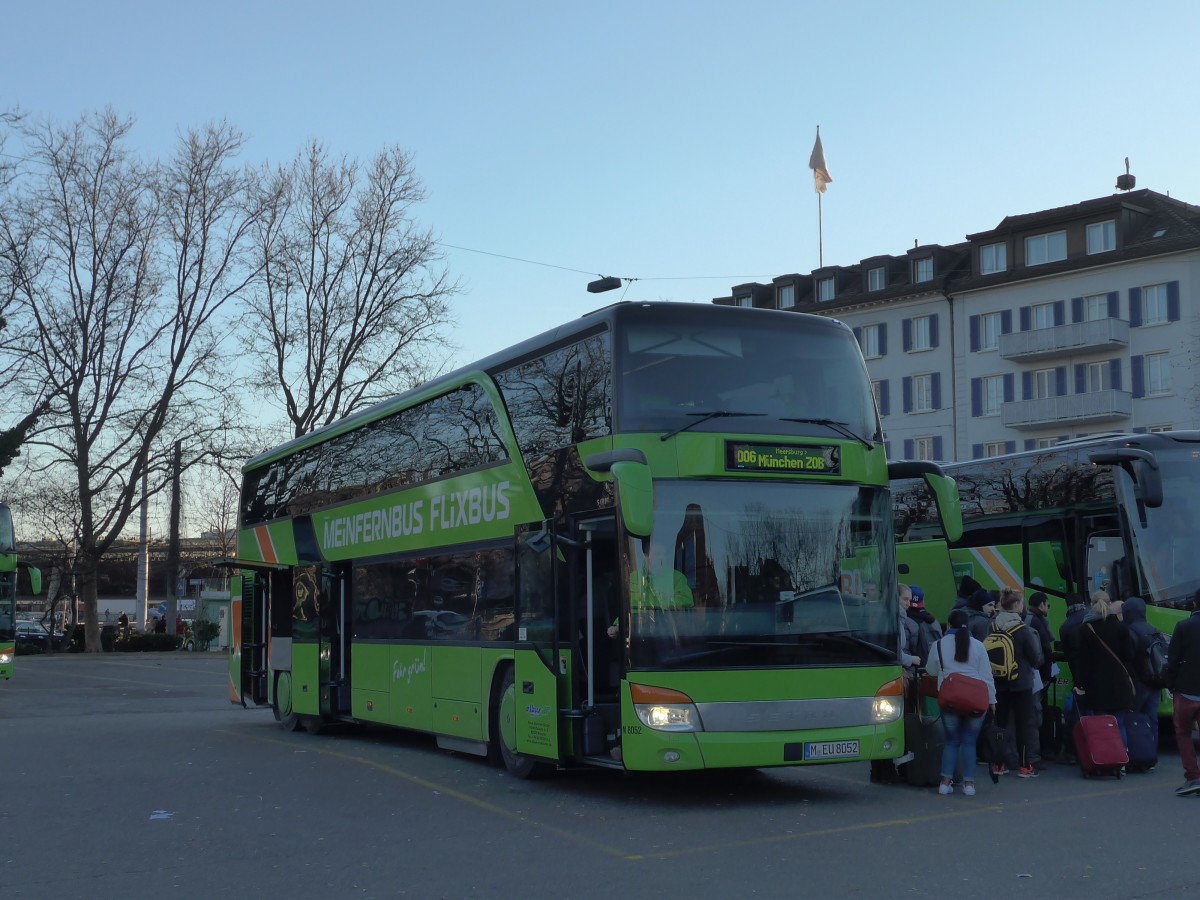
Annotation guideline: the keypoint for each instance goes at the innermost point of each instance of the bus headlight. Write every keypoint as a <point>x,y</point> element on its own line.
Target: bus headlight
<point>663,709</point>
<point>888,705</point>
<point>5,658</point>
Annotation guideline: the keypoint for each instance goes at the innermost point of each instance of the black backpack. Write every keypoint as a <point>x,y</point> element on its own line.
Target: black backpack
<point>1152,662</point>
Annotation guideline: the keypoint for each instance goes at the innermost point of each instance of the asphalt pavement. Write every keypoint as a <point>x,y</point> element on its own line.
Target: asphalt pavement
<point>131,775</point>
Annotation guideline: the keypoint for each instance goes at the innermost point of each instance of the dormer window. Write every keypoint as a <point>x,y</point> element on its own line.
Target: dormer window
<point>787,296</point>
<point>922,269</point>
<point>744,300</point>
<point>1102,236</point>
<point>876,278</point>
<point>993,258</point>
<point>825,289</point>
<point>1045,248</point>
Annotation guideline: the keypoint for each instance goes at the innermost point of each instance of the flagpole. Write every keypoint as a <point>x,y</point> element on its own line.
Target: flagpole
<point>820,236</point>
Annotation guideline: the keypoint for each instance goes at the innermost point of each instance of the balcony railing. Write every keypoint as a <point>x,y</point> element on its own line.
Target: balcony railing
<point>1065,340</point>
<point>1097,406</point>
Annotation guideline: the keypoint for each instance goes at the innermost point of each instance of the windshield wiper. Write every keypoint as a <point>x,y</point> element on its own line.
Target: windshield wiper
<point>704,417</point>
<point>889,654</point>
<point>841,428</point>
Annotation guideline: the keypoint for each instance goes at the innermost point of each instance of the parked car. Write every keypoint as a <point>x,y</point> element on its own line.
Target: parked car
<point>32,633</point>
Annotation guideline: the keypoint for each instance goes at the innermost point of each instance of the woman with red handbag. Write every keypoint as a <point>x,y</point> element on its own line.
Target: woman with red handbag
<point>965,692</point>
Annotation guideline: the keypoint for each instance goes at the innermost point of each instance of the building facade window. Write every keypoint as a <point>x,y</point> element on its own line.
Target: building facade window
<point>1043,315</point>
<point>923,447</point>
<point>825,289</point>
<point>1102,237</point>
<point>994,448</point>
<point>1045,443</point>
<point>989,331</point>
<point>869,337</point>
<point>1097,377</point>
<point>993,394</point>
<point>1095,307</point>
<point>921,332</point>
<point>1044,381</point>
<point>993,258</point>
<point>1154,304</point>
<point>923,269</point>
<point>1045,248</point>
<point>787,296</point>
<point>876,279</point>
<point>1157,429</point>
<point>1158,373</point>
<point>744,300</point>
<point>922,393</point>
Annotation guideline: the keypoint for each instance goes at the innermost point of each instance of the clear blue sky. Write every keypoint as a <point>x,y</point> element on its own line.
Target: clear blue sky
<point>661,140</point>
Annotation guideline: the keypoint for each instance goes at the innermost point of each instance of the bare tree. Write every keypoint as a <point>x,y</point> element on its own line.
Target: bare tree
<point>122,271</point>
<point>352,302</point>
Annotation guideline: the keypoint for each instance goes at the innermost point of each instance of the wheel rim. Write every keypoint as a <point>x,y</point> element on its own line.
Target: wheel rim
<point>508,719</point>
<point>283,694</point>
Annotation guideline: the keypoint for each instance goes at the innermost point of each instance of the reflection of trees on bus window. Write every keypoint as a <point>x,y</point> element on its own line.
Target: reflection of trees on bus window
<point>693,559</point>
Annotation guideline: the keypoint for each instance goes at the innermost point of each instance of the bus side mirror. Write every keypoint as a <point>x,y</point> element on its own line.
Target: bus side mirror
<point>635,487</point>
<point>944,488</point>
<point>1142,468</point>
<point>35,577</point>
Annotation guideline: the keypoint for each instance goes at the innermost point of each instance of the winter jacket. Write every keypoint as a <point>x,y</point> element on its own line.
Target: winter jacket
<point>1041,626</point>
<point>1183,657</point>
<point>977,664</point>
<point>1104,676</point>
<point>1026,645</point>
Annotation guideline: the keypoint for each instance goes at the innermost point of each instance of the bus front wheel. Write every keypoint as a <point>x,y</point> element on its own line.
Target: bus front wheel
<point>504,729</point>
<point>281,705</point>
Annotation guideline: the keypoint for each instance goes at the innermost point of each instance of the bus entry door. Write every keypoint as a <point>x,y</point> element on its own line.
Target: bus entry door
<point>539,664</point>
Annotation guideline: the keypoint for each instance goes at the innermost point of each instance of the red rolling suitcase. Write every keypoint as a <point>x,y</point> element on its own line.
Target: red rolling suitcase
<point>1099,747</point>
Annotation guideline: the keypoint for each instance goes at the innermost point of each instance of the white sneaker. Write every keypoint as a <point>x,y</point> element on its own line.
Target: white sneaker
<point>946,789</point>
<point>969,788</point>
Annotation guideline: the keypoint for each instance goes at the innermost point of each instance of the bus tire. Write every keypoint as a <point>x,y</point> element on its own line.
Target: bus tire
<point>504,730</point>
<point>281,705</point>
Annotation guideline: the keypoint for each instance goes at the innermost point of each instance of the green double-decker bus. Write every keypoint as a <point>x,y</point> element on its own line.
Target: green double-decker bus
<point>9,567</point>
<point>658,537</point>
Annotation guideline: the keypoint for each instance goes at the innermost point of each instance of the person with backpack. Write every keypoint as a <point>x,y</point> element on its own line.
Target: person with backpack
<point>1150,656</point>
<point>1103,684</point>
<point>1014,652</point>
<point>1037,618</point>
<point>958,652</point>
<point>929,632</point>
<point>1183,678</point>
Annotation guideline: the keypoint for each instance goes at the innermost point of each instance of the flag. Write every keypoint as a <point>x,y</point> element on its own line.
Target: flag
<point>816,162</point>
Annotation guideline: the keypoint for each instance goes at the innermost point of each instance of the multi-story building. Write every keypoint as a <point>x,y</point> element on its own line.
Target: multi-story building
<point>1052,325</point>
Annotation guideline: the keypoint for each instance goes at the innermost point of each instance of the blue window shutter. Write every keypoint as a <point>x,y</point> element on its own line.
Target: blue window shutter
<point>1006,321</point>
<point>858,336</point>
<point>908,448</point>
<point>1114,305</point>
<point>1010,383</point>
<point>937,447</point>
<point>1063,437</point>
<point>977,451</point>
<point>1026,385</point>
<point>906,334</point>
<point>883,338</point>
<point>1076,309</point>
<point>1141,429</point>
<point>1026,317</point>
<point>933,331</point>
<point>1114,374</point>
<point>1137,376</point>
<point>1010,446</point>
<point>976,397</point>
<point>936,385</point>
<point>1172,301</point>
<point>1060,381</point>
<point>1135,307</point>
<point>887,449</point>
<point>1030,444</point>
<point>1060,312</point>
<point>906,391</point>
<point>1080,378</point>
<point>974,328</point>
<point>884,403</point>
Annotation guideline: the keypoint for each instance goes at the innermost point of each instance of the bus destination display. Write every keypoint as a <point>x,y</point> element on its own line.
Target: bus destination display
<point>746,457</point>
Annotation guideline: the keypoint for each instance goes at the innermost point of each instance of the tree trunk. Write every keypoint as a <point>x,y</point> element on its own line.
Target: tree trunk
<point>85,585</point>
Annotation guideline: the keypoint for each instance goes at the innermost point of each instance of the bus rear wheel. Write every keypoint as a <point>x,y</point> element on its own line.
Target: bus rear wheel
<point>504,730</point>
<point>281,705</point>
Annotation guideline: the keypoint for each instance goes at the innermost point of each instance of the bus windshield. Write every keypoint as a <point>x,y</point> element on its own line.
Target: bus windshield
<point>1166,547</point>
<point>770,378</point>
<point>741,574</point>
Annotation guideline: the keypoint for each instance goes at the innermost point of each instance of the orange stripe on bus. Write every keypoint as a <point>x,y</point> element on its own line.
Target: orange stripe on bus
<point>266,546</point>
<point>999,566</point>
